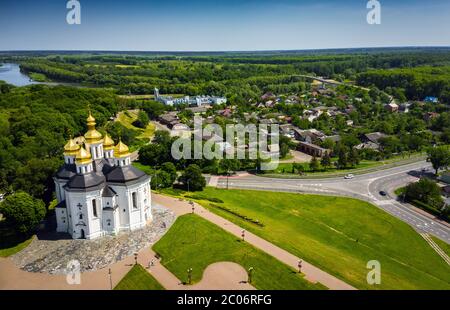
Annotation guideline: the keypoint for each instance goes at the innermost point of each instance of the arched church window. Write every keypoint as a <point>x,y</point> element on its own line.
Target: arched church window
<point>94,207</point>
<point>134,199</point>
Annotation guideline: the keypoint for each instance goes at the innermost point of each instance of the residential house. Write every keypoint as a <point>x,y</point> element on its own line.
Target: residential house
<point>391,107</point>
<point>371,141</point>
<point>169,119</point>
<point>430,115</point>
<point>309,135</point>
<point>312,149</point>
<point>431,99</point>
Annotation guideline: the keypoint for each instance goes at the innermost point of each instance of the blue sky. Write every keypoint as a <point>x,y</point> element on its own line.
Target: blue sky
<point>200,25</point>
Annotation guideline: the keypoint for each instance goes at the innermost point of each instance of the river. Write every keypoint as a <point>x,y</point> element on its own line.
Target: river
<point>10,73</point>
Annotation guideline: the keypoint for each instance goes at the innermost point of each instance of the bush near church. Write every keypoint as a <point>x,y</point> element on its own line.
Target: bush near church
<point>192,178</point>
<point>22,212</point>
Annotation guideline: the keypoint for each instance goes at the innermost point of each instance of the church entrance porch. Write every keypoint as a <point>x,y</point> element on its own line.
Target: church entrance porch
<point>82,235</point>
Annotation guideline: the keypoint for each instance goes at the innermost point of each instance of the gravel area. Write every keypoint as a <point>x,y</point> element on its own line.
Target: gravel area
<point>51,254</point>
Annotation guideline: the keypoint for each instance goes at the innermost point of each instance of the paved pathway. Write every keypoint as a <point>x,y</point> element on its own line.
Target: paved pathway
<point>311,272</point>
<point>223,275</point>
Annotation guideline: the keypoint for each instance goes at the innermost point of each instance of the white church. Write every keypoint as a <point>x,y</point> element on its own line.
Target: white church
<point>99,192</point>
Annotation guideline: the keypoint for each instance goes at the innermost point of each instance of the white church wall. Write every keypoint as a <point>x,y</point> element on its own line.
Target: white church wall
<point>62,220</point>
<point>82,217</point>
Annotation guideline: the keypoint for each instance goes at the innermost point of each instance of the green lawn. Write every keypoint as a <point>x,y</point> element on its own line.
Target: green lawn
<point>138,279</point>
<point>338,235</point>
<point>285,169</point>
<point>9,250</point>
<point>193,242</point>
<point>443,245</point>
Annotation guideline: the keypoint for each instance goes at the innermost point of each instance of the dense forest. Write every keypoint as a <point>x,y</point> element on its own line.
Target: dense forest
<point>35,123</point>
<point>408,74</point>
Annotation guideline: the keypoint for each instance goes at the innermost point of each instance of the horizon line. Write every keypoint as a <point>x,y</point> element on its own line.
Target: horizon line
<point>227,51</point>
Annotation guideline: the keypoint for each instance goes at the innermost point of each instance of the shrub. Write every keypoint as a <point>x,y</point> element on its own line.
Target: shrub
<point>235,213</point>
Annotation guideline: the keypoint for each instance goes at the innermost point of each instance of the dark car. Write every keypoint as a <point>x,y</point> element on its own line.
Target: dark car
<point>383,193</point>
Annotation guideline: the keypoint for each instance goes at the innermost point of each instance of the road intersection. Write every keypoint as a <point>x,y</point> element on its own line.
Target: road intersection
<point>365,186</point>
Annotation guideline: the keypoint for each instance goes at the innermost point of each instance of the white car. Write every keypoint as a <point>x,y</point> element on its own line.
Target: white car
<point>349,176</point>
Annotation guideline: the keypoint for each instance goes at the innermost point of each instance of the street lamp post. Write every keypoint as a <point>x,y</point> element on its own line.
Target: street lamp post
<point>243,235</point>
<point>300,266</point>
<point>135,258</point>
<point>110,278</point>
<point>189,271</point>
<point>250,274</point>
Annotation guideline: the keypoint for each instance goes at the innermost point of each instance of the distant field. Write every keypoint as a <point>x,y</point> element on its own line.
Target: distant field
<point>193,242</point>
<point>338,235</point>
<point>138,279</point>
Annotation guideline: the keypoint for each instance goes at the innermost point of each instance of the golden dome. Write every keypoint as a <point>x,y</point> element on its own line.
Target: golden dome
<point>121,150</point>
<point>92,136</point>
<point>90,119</point>
<point>83,156</point>
<point>71,148</point>
<point>108,143</point>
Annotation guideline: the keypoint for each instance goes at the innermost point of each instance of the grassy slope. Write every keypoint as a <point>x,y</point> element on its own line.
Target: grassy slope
<point>127,121</point>
<point>193,242</point>
<point>5,252</point>
<point>444,246</point>
<point>339,235</point>
<point>138,279</point>
<point>363,166</point>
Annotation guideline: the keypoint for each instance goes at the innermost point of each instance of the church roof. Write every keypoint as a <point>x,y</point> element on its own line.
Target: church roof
<point>66,172</point>
<point>89,181</point>
<point>121,150</point>
<point>108,192</point>
<point>83,156</point>
<point>92,135</point>
<point>124,174</point>
<point>71,148</point>
<point>108,143</point>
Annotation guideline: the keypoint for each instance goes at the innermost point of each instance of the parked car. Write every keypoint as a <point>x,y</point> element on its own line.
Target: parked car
<point>349,176</point>
<point>383,193</point>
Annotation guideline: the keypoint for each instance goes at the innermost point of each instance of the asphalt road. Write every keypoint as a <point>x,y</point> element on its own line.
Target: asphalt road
<point>366,186</point>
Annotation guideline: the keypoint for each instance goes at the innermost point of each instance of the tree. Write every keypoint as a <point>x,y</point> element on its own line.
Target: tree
<point>22,212</point>
<point>142,120</point>
<point>426,191</point>
<point>192,178</point>
<point>439,157</point>
<point>36,178</point>
<point>229,165</point>
<point>161,179</point>
<point>353,157</point>
<point>326,160</point>
<point>171,170</point>
<point>299,168</point>
<point>314,165</point>
<point>342,159</point>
